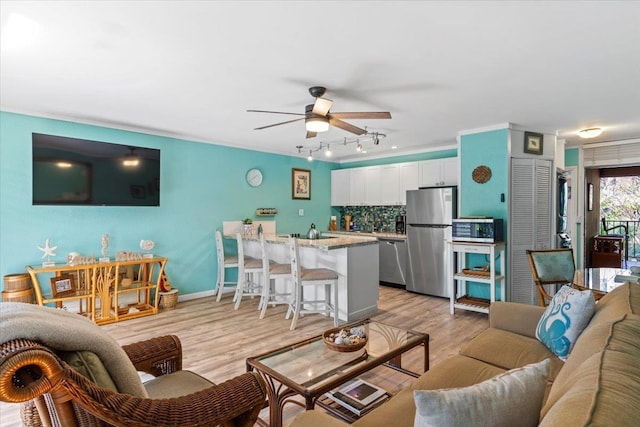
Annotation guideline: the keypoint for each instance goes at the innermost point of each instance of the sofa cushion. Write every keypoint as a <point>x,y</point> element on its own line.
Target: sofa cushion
<point>604,382</point>
<point>508,350</point>
<point>456,371</point>
<point>510,399</point>
<point>564,320</point>
<point>614,305</point>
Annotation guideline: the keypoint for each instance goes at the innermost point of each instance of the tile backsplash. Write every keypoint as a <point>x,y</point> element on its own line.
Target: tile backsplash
<point>372,218</point>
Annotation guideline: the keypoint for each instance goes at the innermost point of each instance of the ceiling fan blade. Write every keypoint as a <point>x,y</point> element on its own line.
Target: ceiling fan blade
<point>311,134</point>
<point>345,126</point>
<point>322,106</point>
<point>278,124</point>
<point>363,115</point>
<point>274,112</point>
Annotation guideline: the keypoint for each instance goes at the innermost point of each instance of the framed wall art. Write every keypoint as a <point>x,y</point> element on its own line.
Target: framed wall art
<point>62,285</point>
<point>533,143</point>
<point>301,184</point>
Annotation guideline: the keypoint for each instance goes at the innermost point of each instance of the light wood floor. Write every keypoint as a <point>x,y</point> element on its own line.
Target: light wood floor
<point>216,339</point>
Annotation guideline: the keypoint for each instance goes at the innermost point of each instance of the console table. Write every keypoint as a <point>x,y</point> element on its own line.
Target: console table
<point>102,291</point>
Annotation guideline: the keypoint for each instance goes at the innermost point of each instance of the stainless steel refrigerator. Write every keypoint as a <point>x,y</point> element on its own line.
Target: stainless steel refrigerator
<point>429,216</point>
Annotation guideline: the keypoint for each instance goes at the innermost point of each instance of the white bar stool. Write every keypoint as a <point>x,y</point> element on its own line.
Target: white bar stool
<point>247,267</point>
<point>224,262</point>
<point>306,277</point>
<point>272,271</point>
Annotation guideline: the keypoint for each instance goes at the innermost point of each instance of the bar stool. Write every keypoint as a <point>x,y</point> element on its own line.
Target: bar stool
<point>224,262</point>
<point>307,277</point>
<point>247,267</point>
<point>272,271</point>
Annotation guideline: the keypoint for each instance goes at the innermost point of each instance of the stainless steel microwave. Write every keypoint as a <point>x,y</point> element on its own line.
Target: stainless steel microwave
<point>483,230</point>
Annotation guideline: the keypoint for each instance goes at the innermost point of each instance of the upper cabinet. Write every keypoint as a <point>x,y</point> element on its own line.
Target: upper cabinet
<point>409,179</point>
<point>340,187</point>
<point>387,185</point>
<point>439,172</point>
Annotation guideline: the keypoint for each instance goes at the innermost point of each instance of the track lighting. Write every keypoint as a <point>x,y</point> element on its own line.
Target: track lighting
<point>373,137</point>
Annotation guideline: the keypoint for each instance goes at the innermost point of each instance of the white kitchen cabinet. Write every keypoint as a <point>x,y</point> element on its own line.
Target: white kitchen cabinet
<point>409,179</point>
<point>390,184</point>
<point>439,172</point>
<point>357,181</point>
<point>340,187</point>
<point>372,186</point>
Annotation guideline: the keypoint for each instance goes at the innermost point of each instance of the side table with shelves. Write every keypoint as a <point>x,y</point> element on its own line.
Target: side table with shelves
<point>459,297</point>
<point>99,288</point>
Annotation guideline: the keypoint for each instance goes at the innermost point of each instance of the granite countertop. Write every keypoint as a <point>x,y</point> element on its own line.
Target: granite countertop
<point>327,244</point>
<point>376,234</point>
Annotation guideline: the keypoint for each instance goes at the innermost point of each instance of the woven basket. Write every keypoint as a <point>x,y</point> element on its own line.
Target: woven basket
<point>17,282</point>
<point>341,347</point>
<point>19,296</point>
<point>169,300</point>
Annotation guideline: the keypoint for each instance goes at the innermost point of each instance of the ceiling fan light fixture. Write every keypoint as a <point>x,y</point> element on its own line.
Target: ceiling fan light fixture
<point>590,133</point>
<point>316,124</point>
<point>310,156</point>
<point>328,151</point>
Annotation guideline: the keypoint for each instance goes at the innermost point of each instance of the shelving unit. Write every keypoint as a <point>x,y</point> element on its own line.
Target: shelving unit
<point>459,298</point>
<point>100,286</point>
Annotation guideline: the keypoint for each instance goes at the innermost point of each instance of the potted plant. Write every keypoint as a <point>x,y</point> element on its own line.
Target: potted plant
<point>247,225</point>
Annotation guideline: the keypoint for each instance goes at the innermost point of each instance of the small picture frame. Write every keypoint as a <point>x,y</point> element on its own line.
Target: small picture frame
<point>62,285</point>
<point>533,143</point>
<point>301,184</point>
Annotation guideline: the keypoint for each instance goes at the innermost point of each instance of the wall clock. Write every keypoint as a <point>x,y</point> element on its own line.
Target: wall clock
<point>254,177</point>
<point>481,174</point>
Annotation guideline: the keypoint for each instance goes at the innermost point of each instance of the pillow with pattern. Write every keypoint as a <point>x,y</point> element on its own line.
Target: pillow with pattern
<point>565,318</point>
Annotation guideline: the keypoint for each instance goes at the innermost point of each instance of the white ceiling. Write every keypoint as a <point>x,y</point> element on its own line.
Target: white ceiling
<point>191,69</point>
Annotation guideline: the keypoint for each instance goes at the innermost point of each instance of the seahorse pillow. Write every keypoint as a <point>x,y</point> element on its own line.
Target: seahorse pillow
<point>565,318</point>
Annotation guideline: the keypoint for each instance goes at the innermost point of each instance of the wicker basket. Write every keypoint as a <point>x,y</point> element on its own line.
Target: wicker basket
<point>25,295</point>
<point>341,347</point>
<point>17,282</point>
<point>169,300</point>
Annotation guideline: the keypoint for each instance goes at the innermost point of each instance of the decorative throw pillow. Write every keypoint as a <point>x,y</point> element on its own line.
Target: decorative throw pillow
<point>565,318</point>
<point>513,398</point>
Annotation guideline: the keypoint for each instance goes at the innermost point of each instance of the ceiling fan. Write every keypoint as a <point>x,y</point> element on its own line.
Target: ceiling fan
<point>317,116</point>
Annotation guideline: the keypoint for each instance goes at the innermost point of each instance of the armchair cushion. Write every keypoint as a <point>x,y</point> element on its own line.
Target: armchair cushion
<point>89,364</point>
<point>176,384</point>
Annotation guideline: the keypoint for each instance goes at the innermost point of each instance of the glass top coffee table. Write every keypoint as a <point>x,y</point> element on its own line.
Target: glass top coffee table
<point>310,369</point>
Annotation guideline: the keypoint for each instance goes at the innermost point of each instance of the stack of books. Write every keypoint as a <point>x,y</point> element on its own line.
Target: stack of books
<point>358,396</point>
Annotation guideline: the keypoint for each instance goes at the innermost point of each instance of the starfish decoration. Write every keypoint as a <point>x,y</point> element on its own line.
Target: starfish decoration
<point>48,250</point>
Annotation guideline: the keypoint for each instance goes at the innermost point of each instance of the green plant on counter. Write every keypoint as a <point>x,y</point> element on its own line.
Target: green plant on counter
<point>247,221</point>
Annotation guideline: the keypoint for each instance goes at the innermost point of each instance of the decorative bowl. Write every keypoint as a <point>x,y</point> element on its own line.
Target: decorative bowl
<point>328,335</point>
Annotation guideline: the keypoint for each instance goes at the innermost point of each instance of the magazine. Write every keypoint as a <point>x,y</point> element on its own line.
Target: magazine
<point>358,396</point>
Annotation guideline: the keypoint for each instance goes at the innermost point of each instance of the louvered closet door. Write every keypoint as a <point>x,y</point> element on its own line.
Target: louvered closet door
<point>530,220</point>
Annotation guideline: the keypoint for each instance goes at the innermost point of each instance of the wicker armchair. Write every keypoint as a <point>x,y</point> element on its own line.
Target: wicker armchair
<point>54,394</point>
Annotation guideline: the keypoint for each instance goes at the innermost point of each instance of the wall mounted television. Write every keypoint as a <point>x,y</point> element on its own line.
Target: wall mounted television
<point>71,171</point>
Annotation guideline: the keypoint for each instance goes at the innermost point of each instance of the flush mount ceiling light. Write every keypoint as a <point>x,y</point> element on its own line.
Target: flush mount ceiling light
<point>316,124</point>
<point>590,133</point>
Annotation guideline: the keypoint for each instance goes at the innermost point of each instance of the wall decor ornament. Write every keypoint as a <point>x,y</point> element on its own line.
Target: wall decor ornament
<point>47,252</point>
<point>533,143</point>
<point>481,174</point>
<point>301,184</point>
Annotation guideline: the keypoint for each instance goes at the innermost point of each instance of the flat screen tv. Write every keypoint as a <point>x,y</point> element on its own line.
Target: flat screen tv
<point>71,171</point>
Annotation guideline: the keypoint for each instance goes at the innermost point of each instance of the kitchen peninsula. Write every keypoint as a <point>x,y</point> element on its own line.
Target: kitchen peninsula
<point>355,259</point>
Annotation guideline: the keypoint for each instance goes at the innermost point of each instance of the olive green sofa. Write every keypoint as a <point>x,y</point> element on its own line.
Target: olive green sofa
<point>598,385</point>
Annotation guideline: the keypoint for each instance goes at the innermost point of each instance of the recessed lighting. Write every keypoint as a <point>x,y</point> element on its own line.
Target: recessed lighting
<point>394,147</point>
<point>590,133</point>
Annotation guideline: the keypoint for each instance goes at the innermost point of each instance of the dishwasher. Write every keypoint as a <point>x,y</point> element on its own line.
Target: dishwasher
<point>393,261</point>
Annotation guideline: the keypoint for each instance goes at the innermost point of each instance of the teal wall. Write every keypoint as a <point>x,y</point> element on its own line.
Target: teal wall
<point>401,159</point>
<point>201,186</point>
<point>490,149</point>
<point>571,157</point>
